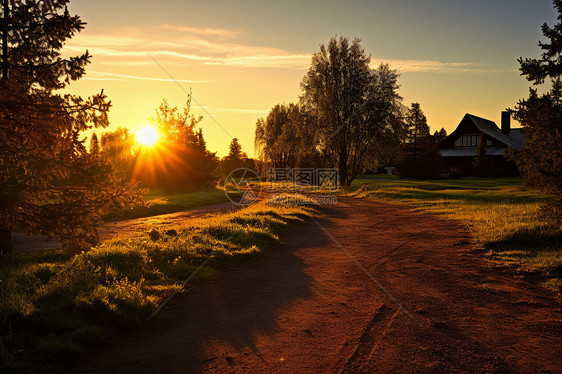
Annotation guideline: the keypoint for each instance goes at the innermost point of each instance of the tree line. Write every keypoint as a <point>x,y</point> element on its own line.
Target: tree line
<point>350,117</point>
<point>180,161</point>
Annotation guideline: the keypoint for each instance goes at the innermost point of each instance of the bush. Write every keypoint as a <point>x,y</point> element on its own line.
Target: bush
<point>424,166</point>
<point>455,173</point>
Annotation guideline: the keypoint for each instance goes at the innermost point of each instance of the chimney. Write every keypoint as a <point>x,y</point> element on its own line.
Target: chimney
<point>506,123</point>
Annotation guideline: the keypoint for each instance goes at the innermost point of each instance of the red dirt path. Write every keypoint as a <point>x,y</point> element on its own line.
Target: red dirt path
<point>306,307</point>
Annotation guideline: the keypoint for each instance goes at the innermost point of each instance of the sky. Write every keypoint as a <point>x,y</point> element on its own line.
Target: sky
<point>240,58</point>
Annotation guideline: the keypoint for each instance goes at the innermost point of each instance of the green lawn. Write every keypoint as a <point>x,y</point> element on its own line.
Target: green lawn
<point>54,305</point>
<point>160,202</point>
<point>502,214</point>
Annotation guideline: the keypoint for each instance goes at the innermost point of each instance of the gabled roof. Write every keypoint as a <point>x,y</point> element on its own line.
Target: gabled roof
<point>516,138</point>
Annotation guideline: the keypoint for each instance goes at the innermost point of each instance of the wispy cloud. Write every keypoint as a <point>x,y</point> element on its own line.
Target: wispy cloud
<point>431,66</point>
<point>180,45</point>
<point>101,75</point>
<point>222,33</point>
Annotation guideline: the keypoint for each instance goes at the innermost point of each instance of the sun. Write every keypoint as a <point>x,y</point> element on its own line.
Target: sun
<point>147,136</point>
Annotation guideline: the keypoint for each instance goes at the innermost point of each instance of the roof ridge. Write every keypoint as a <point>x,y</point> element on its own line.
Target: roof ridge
<point>490,128</point>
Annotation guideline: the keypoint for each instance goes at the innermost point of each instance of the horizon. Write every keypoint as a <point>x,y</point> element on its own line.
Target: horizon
<point>239,64</point>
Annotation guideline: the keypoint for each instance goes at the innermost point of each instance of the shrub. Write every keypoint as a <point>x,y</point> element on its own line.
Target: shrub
<point>455,173</point>
<point>423,166</point>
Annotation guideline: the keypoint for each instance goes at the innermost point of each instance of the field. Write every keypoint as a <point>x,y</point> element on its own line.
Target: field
<point>502,213</point>
<point>54,305</point>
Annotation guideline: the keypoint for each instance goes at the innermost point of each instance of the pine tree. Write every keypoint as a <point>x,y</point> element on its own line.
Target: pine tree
<point>417,123</point>
<point>440,135</point>
<point>94,145</point>
<point>49,183</point>
<point>236,158</point>
<point>418,157</point>
<point>540,161</point>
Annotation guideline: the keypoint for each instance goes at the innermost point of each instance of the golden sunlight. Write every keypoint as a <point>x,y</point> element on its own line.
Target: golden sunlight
<point>147,136</point>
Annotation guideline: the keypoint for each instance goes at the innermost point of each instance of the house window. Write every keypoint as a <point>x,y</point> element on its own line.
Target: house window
<point>469,140</point>
<point>489,143</point>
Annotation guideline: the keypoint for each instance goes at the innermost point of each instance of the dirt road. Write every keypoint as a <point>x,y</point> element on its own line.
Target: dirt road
<point>307,307</point>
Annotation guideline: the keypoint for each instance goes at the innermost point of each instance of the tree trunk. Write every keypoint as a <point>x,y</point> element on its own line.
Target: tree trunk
<point>342,164</point>
<point>6,242</point>
<point>6,11</point>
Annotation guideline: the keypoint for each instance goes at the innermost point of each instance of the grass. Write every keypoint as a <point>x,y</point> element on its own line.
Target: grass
<point>502,214</point>
<point>54,305</point>
<point>160,202</point>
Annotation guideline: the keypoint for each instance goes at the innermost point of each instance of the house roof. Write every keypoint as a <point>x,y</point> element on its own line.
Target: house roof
<point>517,135</point>
<point>516,138</point>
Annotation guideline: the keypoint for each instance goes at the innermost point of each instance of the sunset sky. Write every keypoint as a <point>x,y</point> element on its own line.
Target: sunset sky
<point>241,58</point>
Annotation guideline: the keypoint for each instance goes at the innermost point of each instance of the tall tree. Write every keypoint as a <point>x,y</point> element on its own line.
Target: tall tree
<point>352,103</point>
<point>268,133</point>
<point>541,117</point>
<point>49,184</point>
<point>418,155</point>
<point>277,136</point>
<point>417,123</point>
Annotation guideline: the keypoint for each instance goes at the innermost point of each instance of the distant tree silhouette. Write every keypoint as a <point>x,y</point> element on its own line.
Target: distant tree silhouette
<point>540,161</point>
<point>353,105</point>
<point>267,135</point>
<point>419,157</point>
<point>118,147</point>
<point>49,182</point>
<point>285,139</point>
<point>417,123</point>
<point>94,145</point>
<point>440,135</point>
<point>236,159</point>
<point>386,151</point>
<point>235,150</point>
<point>181,161</point>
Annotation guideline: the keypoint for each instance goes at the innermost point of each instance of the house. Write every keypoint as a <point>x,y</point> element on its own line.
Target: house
<point>460,147</point>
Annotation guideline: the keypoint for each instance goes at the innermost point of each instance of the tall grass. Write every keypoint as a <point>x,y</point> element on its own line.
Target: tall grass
<point>54,304</point>
<point>161,202</point>
<point>502,214</point>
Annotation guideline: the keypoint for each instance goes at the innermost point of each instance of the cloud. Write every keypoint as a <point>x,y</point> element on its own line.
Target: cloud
<point>222,33</point>
<point>101,75</point>
<point>431,66</point>
<point>181,45</point>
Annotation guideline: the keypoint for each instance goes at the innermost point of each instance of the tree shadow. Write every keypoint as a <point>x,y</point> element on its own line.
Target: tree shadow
<point>226,314</point>
<point>538,249</point>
